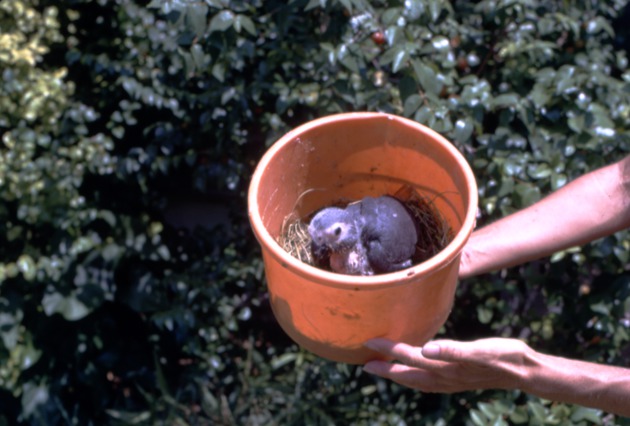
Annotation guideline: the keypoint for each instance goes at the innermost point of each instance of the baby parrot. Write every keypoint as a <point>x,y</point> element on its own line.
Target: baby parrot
<point>371,236</point>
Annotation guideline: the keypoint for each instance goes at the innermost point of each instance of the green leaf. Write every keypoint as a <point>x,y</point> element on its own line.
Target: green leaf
<point>414,9</point>
<point>558,180</point>
<point>164,252</point>
<point>196,18</point>
<point>26,265</point>
<point>590,415</point>
<point>118,132</point>
<point>599,24</point>
<point>412,103</point>
<point>347,59</point>
<point>505,100</point>
<point>312,4</point>
<point>538,410</point>
<point>540,96</point>
<point>539,171</point>
<point>463,130</point>
<point>283,360</point>
<point>155,4</point>
<point>393,35</point>
<point>218,71</point>
<point>199,58</point>
<point>435,9</point>
<point>69,307</point>
<point>576,122</point>
<point>400,60</point>
<point>108,216</point>
<point>478,418</point>
<point>221,21</point>
<point>217,4</point>
<point>484,314</point>
<point>390,16</point>
<point>622,254</point>
<point>427,77</point>
<point>527,194</point>
<point>599,117</point>
<point>246,23</point>
<point>487,409</point>
<point>425,115</point>
<point>347,4</point>
<point>557,256</point>
<point>130,417</point>
<point>601,308</point>
<point>407,87</point>
<point>440,43</point>
<point>32,397</point>
<point>10,328</point>
<point>519,416</point>
<point>507,186</point>
<point>29,355</point>
<point>511,166</point>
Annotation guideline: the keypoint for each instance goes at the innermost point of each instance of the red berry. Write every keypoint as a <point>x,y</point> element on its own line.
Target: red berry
<point>378,37</point>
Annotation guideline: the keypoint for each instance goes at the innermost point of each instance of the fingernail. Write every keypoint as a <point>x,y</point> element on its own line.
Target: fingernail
<point>431,350</point>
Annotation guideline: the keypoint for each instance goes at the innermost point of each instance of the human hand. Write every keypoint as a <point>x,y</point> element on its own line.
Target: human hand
<point>447,366</point>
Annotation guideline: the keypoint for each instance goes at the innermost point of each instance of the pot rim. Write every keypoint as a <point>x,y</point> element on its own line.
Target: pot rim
<point>421,270</point>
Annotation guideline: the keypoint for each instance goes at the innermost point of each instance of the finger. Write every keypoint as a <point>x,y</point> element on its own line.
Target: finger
<point>402,352</point>
<point>396,350</point>
<point>480,351</point>
<point>399,373</point>
<point>448,351</point>
<point>381,345</point>
<point>425,381</point>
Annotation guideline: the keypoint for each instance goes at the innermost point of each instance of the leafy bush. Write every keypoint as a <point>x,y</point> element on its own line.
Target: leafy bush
<point>113,113</point>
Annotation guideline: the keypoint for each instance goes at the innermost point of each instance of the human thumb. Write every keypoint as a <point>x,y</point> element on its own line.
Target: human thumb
<point>431,350</point>
<point>443,350</point>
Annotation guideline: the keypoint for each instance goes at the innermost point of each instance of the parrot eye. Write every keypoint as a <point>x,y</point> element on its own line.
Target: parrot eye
<point>337,231</point>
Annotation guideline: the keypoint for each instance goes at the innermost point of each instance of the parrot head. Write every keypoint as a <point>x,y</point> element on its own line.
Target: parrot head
<point>333,229</point>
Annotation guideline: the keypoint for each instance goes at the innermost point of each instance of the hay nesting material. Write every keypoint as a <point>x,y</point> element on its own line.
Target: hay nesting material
<point>296,240</point>
<point>434,233</point>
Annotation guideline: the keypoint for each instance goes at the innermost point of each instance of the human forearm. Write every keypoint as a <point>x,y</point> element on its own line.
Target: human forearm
<point>577,382</point>
<point>590,207</point>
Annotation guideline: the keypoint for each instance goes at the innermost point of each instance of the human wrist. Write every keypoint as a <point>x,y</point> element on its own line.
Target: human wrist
<point>530,376</point>
<point>555,378</point>
<point>520,367</point>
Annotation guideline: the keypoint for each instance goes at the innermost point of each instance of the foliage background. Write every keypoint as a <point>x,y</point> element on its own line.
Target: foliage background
<point>114,113</point>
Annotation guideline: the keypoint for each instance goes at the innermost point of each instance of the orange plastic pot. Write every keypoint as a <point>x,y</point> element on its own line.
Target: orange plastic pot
<point>350,156</point>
